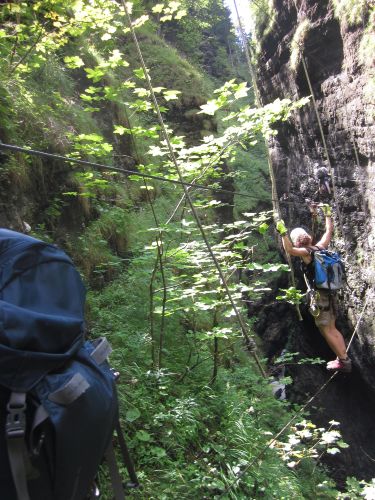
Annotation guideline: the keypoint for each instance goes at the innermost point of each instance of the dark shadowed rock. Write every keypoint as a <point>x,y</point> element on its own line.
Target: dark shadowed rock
<point>340,83</point>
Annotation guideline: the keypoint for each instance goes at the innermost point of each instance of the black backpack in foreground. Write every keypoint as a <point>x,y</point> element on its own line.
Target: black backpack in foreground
<point>58,403</point>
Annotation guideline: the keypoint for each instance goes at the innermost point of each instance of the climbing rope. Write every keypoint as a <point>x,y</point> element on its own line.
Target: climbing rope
<point>324,142</point>
<point>297,414</point>
<point>275,198</point>
<point>249,343</point>
<point>349,130</point>
<point>247,55</point>
<point>276,436</point>
<point>358,322</point>
<point>110,168</point>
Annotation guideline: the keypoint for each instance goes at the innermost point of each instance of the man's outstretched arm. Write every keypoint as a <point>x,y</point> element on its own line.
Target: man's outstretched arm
<point>287,244</point>
<point>327,236</point>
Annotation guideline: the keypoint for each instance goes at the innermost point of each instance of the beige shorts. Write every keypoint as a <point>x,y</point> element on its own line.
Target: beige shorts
<point>327,308</point>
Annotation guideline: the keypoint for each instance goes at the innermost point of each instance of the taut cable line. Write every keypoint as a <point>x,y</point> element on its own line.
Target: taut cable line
<point>297,414</point>
<point>249,342</point>
<point>120,170</point>
<point>276,436</point>
<point>247,55</point>
<point>324,142</point>
<point>111,168</point>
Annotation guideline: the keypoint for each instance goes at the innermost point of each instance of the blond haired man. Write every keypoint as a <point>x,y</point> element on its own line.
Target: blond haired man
<point>300,244</point>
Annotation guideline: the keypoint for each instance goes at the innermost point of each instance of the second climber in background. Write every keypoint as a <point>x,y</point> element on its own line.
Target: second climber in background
<point>323,177</point>
<point>300,244</point>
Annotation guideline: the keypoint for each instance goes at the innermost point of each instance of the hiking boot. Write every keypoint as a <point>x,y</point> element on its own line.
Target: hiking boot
<point>341,365</point>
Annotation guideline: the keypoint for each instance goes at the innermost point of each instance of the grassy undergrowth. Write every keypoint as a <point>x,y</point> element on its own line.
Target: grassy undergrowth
<point>191,439</point>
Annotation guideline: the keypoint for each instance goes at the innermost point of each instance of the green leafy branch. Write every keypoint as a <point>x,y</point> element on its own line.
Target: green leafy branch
<point>291,295</point>
<point>309,441</point>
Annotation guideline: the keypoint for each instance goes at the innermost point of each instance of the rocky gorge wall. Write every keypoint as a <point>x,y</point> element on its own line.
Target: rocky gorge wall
<point>341,80</point>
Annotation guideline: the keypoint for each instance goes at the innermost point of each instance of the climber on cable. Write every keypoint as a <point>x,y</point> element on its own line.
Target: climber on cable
<point>323,180</point>
<point>300,244</point>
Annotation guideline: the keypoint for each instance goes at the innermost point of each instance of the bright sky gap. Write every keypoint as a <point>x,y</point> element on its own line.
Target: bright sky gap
<point>243,7</point>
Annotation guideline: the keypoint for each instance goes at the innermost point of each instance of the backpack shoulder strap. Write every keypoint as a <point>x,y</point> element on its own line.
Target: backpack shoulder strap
<point>15,435</point>
<point>114,473</point>
<point>313,249</point>
<point>126,456</point>
<point>308,269</point>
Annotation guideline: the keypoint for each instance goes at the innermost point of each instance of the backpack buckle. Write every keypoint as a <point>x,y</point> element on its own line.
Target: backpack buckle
<point>16,419</point>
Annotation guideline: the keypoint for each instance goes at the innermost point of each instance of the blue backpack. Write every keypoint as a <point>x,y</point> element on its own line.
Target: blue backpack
<point>329,270</point>
<point>58,404</point>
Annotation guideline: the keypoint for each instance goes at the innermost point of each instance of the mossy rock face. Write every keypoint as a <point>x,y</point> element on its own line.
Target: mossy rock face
<point>169,69</point>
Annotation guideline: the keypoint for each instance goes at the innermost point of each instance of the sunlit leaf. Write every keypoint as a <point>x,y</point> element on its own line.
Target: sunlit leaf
<point>132,414</point>
<point>120,130</point>
<point>164,19</point>
<point>333,451</point>
<point>210,108</point>
<point>263,228</point>
<point>143,436</point>
<point>73,62</point>
<point>95,74</point>
<point>140,21</point>
<point>158,8</point>
<point>180,14</point>
<point>170,95</point>
<point>139,73</point>
<point>241,91</point>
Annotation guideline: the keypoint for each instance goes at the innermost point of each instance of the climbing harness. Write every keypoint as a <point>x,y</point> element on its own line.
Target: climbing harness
<point>312,298</point>
<point>325,272</point>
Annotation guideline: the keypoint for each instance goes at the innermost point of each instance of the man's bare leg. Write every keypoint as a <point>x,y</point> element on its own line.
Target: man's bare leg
<point>335,340</point>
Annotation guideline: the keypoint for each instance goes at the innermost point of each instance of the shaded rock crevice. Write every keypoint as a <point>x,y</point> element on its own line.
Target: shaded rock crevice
<point>340,82</point>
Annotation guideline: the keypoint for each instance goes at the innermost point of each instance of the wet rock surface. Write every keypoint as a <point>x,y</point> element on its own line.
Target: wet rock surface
<point>347,110</point>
